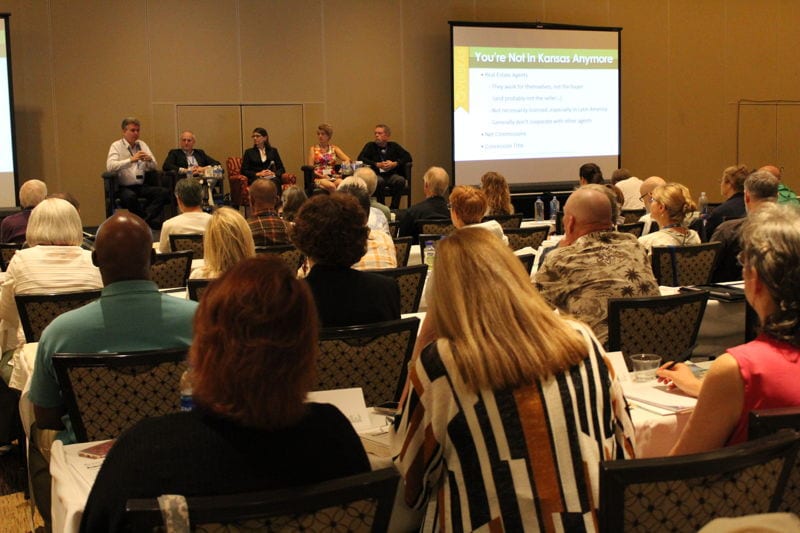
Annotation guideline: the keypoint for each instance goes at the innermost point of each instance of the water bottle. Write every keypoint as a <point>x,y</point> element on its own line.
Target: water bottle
<point>554,207</point>
<point>538,209</point>
<point>187,403</point>
<point>430,254</point>
<point>703,204</point>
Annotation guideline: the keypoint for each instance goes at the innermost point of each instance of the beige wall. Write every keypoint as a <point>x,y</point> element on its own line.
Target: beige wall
<point>80,66</point>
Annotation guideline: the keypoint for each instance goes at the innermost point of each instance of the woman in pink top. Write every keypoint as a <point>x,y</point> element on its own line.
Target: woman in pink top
<point>764,373</point>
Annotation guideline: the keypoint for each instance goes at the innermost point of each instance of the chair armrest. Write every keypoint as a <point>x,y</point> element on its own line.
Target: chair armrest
<point>308,179</point>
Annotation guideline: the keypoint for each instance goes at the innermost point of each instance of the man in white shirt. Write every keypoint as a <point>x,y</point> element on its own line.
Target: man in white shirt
<point>192,219</point>
<point>131,158</point>
<point>629,185</point>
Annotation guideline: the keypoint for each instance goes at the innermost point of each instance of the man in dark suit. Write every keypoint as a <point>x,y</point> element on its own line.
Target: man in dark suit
<point>434,184</point>
<point>388,159</point>
<point>188,158</point>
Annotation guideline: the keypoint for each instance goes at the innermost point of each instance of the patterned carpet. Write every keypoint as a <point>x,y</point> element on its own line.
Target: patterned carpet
<point>15,510</point>
<point>12,472</point>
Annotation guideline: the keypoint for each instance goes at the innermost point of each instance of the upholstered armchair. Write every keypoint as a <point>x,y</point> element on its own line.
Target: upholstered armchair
<point>240,192</point>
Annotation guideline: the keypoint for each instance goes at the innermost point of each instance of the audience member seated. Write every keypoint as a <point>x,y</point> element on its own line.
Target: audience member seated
<point>388,159</point>
<point>252,366</point>
<point>760,188</point>
<point>131,158</point>
<point>324,157</point>
<point>88,239</point>
<point>331,231</point>
<point>192,220</point>
<point>434,185</point>
<point>669,205</point>
<point>187,159</point>
<point>266,226</point>
<point>590,173</point>
<point>263,160</point>
<point>130,315</point>
<point>645,191</point>
<point>732,189</point>
<point>291,200</point>
<point>491,391</point>
<point>785,194</point>
<point>13,227</point>
<point>227,241</point>
<point>762,374</point>
<point>629,185</point>
<point>495,187</point>
<point>376,219</point>
<point>380,246</point>
<point>593,262</point>
<point>617,199</point>
<point>468,206</point>
<point>371,179</point>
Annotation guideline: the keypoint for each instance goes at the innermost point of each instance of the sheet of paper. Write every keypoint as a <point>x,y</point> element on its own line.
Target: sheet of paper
<point>348,401</point>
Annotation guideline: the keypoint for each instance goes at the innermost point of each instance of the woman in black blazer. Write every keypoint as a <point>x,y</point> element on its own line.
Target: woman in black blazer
<point>262,160</point>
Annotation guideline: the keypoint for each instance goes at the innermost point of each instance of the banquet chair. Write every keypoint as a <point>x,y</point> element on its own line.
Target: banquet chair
<point>358,503</point>
<point>679,266</point>
<point>425,237</point>
<point>293,257</point>
<point>410,280</point>
<point>402,248</point>
<point>106,393</point>
<point>527,261</point>
<point>765,422</point>
<point>197,287</point>
<point>171,270</point>
<point>634,228</point>
<point>371,356</point>
<point>666,325</point>
<point>632,215</point>
<point>36,311</point>
<point>7,251</point>
<point>506,221</point>
<point>683,493</point>
<point>435,226</point>
<point>522,237</point>
<point>394,228</point>
<point>193,242</point>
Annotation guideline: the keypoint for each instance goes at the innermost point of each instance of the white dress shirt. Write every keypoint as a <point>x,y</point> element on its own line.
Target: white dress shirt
<point>119,161</point>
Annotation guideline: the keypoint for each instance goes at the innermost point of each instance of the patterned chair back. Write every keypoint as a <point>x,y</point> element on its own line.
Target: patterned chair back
<point>425,237</point>
<point>106,393</point>
<point>765,422</point>
<point>171,270</point>
<point>181,242</point>
<point>527,261</point>
<point>634,228</point>
<point>293,257</point>
<point>197,287</point>
<point>632,215</point>
<point>506,221</point>
<point>402,247</point>
<point>410,280</point>
<point>684,493</point>
<point>373,357</point>
<point>522,237</point>
<point>7,251</point>
<point>666,325</point>
<point>394,229</point>
<point>36,311</point>
<point>442,226</point>
<point>678,266</point>
<point>358,503</point>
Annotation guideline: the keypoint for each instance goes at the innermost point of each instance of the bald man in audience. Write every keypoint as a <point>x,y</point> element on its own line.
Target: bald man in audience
<point>266,226</point>
<point>13,227</point>
<point>645,189</point>
<point>593,262</point>
<point>760,188</point>
<point>785,194</point>
<point>130,315</point>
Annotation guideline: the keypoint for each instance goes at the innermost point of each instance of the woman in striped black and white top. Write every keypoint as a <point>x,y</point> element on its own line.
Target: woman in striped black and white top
<point>507,415</point>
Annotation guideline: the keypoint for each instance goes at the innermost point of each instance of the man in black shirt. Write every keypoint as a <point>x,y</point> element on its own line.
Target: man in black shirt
<point>388,159</point>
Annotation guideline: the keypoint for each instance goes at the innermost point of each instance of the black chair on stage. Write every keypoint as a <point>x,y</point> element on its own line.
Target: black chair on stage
<point>107,393</point>
<point>372,356</point>
<point>411,281</point>
<point>151,177</point>
<point>358,503</point>
<point>684,493</point>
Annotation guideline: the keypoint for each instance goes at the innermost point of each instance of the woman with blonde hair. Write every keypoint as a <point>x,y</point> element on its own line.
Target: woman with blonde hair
<point>494,186</point>
<point>511,409</point>
<point>323,157</point>
<point>670,204</point>
<point>227,241</point>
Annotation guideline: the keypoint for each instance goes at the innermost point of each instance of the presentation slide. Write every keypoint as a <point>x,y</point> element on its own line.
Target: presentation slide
<point>534,104</point>
<point>7,191</point>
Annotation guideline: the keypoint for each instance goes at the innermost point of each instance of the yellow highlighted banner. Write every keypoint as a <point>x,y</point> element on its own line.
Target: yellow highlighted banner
<point>461,77</point>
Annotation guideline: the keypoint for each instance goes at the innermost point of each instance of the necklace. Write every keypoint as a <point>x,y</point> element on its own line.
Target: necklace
<point>670,226</point>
